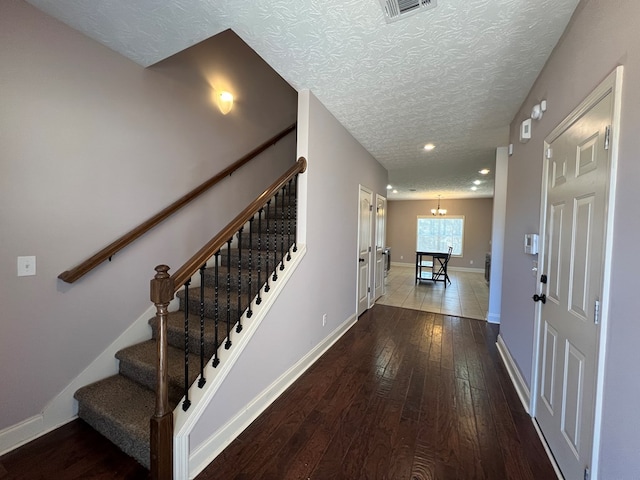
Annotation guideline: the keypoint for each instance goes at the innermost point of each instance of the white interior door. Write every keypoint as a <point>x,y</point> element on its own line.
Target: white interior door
<point>573,264</point>
<point>365,212</point>
<point>381,225</point>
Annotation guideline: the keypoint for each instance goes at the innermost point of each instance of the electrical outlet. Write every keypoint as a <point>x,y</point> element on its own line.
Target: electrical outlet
<point>324,319</point>
<point>26,266</point>
<point>470,262</point>
<point>401,257</point>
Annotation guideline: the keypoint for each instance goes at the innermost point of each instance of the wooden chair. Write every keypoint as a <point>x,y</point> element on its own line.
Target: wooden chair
<point>441,274</point>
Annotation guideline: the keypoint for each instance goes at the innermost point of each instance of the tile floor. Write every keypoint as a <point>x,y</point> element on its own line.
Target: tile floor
<point>466,296</point>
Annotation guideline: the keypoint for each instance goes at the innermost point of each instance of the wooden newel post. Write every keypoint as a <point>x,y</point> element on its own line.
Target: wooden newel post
<point>162,421</point>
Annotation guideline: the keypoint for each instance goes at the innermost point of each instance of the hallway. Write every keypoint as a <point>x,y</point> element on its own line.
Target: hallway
<point>404,394</point>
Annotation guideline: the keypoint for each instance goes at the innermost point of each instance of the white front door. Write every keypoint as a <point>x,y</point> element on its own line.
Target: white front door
<point>365,211</point>
<point>381,224</point>
<point>577,183</point>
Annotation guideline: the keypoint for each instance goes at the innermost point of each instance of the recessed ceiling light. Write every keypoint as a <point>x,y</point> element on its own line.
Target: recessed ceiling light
<point>429,146</point>
<point>395,191</point>
<point>477,182</point>
<point>484,171</point>
<point>389,187</point>
<point>474,188</point>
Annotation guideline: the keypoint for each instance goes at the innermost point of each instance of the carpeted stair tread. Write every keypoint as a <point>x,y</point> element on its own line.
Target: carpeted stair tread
<point>175,332</point>
<point>209,301</point>
<point>120,409</point>
<point>138,363</point>
<point>210,278</point>
<point>262,257</point>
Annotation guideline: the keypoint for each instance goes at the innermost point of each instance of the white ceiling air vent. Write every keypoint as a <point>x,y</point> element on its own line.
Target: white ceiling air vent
<point>397,9</point>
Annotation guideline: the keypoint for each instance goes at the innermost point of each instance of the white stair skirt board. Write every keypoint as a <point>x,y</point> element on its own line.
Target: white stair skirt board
<point>64,408</point>
<point>222,438</point>
<point>514,374</point>
<point>492,318</point>
<point>184,422</point>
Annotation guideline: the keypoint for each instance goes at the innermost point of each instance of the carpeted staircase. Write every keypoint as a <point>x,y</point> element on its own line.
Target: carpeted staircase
<point>120,407</point>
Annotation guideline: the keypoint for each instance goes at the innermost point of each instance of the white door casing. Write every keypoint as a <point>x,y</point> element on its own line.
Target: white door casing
<point>380,243</point>
<point>365,214</point>
<point>576,219</point>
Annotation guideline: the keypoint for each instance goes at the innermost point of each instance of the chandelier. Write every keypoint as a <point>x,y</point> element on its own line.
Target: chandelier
<point>438,211</point>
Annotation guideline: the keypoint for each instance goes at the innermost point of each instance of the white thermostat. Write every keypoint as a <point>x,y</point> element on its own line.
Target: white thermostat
<point>531,243</point>
<point>525,131</point>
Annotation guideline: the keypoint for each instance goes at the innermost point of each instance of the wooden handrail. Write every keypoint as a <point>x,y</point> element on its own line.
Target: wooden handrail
<point>192,265</point>
<point>85,267</point>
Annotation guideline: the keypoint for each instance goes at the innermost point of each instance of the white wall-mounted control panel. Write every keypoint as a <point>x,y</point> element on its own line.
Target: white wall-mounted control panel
<point>525,131</point>
<point>531,243</point>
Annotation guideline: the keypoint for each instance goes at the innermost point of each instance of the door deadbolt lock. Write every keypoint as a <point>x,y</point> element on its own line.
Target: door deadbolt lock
<point>361,260</point>
<point>540,298</point>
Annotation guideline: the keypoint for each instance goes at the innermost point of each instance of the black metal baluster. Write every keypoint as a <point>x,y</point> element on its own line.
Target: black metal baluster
<point>295,209</point>
<point>239,326</point>
<point>216,311</point>
<point>227,344</point>
<point>202,380</point>
<point>266,250</point>
<point>275,239</point>
<point>249,311</point>
<point>187,403</point>
<point>289,220</point>
<point>282,222</point>
<point>259,299</point>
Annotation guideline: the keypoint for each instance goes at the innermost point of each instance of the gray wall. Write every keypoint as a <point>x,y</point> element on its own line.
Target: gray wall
<point>325,281</point>
<point>401,228</point>
<point>91,144</point>
<point>601,35</point>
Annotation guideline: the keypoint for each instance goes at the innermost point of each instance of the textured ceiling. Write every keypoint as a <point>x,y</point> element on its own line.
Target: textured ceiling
<point>454,75</point>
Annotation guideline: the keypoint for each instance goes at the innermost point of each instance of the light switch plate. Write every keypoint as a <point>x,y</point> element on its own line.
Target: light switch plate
<point>26,266</point>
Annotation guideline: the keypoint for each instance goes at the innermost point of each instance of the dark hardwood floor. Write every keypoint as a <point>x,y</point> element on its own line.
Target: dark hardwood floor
<point>404,394</point>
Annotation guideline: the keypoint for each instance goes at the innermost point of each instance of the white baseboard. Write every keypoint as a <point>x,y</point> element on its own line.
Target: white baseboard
<point>552,459</point>
<point>493,317</point>
<point>400,264</point>
<point>64,408</point>
<point>514,374</point>
<point>212,447</point>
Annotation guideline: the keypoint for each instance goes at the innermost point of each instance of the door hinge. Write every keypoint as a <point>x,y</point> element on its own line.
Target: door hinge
<point>371,208</point>
<point>369,289</point>
<point>549,153</point>
<point>369,247</point>
<point>607,137</point>
<point>596,312</point>
<point>587,473</point>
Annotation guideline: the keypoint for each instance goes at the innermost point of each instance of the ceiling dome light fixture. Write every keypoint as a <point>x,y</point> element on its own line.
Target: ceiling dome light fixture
<point>484,171</point>
<point>429,146</point>
<point>389,187</point>
<point>438,211</point>
<point>477,182</point>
